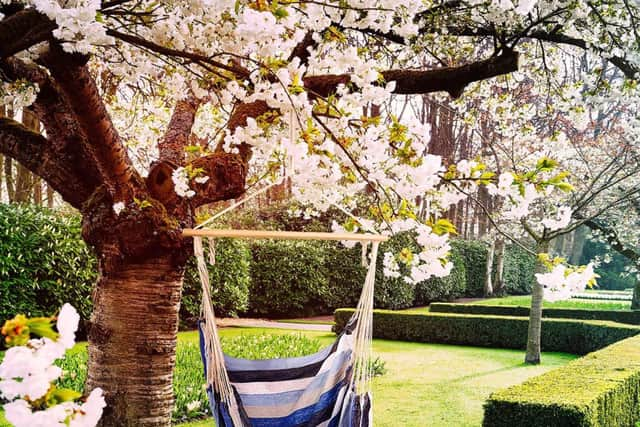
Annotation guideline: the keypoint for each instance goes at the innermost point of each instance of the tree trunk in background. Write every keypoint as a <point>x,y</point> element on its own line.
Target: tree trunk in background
<point>498,285</point>
<point>635,302</point>
<point>535,314</point>
<point>50,196</point>
<point>37,191</point>
<point>8,178</point>
<point>488,286</point>
<point>24,185</point>
<point>483,220</point>
<point>132,337</point>
<point>578,245</point>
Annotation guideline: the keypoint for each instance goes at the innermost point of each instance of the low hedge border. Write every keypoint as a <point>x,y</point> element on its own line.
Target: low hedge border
<point>565,335</point>
<point>631,317</point>
<point>601,389</point>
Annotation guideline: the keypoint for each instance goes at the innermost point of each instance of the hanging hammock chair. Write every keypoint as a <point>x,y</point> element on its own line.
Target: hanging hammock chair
<point>329,388</point>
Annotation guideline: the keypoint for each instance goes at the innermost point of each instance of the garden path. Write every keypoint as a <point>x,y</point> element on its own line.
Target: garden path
<point>263,323</point>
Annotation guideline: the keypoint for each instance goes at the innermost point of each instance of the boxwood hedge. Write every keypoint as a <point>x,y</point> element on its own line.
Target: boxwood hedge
<point>631,317</point>
<point>570,336</point>
<point>601,389</point>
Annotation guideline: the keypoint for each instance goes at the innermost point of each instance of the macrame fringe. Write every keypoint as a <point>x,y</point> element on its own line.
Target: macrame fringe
<point>217,377</point>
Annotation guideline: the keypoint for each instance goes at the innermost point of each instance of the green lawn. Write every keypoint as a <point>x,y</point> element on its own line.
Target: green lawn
<point>430,384</point>
<point>525,300</point>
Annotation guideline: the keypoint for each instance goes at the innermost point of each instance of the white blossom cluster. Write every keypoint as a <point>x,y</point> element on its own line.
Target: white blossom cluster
<point>26,374</point>
<point>561,283</point>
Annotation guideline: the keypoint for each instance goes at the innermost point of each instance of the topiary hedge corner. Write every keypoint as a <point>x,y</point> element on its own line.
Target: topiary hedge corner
<point>601,389</point>
<point>565,335</point>
<point>631,317</point>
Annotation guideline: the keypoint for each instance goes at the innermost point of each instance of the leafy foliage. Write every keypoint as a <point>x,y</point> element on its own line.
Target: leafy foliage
<point>519,269</point>
<point>44,262</point>
<point>611,273</point>
<point>443,288</point>
<point>600,389</point>
<point>571,336</point>
<point>474,255</point>
<point>230,279</point>
<point>289,278</point>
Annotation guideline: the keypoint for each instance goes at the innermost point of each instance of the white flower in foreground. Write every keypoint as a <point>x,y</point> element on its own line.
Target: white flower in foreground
<point>118,207</point>
<point>192,406</point>
<point>201,179</point>
<point>27,373</point>
<point>67,325</point>
<point>563,218</point>
<point>89,413</point>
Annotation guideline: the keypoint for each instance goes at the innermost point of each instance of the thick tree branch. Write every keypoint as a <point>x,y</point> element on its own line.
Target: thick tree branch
<point>35,153</point>
<point>227,173</point>
<point>63,130</point>
<point>450,79</point>
<point>23,30</point>
<point>176,138</point>
<point>73,77</point>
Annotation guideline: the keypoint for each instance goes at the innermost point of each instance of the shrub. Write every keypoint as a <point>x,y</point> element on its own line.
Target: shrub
<point>230,279</point>
<point>600,389</point>
<point>519,270</point>
<point>44,262</point>
<point>345,275</point>
<point>571,336</point>
<point>289,278</point>
<point>393,293</point>
<point>631,317</point>
<point>443,288</point>
<point>474,256</point>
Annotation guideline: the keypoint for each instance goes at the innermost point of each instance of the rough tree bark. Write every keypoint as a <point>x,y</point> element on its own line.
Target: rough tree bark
<point>535,315</point>
<point>133,338</point>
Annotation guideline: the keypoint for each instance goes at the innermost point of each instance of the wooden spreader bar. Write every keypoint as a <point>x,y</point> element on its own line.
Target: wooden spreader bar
<point>282,235</point>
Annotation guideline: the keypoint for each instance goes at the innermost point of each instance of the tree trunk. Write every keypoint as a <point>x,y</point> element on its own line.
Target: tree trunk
<point>635,302</point>
<point>8,178</point>
<point>578,245</point>
<point>37,190</point>
<point>132,340</point>
<point>535,314</point>
<point>488,286</point>
<point>50,196</point>
<point>498,284</point>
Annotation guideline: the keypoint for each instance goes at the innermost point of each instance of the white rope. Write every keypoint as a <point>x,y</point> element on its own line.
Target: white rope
<point>217,377</point>
<point>212,251</point>
<point>235,205</point>
<point>363,331</point>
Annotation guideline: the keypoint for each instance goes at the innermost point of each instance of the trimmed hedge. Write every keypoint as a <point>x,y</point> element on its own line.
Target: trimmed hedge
<point>631,317</point>
<point>570,336</point>
<point>601,389</point>
<point>474,257</point>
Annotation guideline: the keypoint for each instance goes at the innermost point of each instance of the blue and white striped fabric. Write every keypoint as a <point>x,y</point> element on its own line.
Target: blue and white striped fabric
<point>301,391</point>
